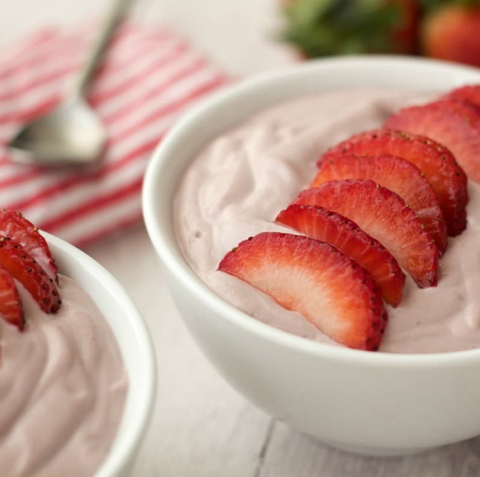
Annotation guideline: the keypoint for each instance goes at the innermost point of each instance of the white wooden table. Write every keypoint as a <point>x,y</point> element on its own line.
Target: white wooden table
<point>201,427</point>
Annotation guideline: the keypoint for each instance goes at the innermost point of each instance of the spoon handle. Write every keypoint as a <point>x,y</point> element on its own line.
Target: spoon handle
<point>116,14</point>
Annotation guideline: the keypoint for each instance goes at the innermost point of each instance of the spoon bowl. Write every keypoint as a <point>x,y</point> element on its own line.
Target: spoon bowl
<point>70,134</point>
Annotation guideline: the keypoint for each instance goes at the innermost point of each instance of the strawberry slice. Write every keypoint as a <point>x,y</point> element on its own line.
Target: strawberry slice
<point>18,228</point>
<point>329,289</point>
<point>384,215</point>
<point>350,239</point>
<point>453,123</point>
<point>24,268</point>
<point>470,93</point>
<point>446,177</point>
<point>11,309</point>
<point>396,174</point>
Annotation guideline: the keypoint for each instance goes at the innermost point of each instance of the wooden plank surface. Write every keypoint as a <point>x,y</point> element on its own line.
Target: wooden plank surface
<point>293,454</point>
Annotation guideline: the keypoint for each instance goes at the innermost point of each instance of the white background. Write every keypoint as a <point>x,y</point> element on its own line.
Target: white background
<point>201,427</point>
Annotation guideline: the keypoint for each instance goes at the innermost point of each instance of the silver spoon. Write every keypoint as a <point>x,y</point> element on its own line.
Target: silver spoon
<point>72,133</point>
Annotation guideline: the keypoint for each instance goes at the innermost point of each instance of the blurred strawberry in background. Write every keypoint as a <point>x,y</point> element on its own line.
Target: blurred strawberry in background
<point>452,32</point>
<point>445,29</point>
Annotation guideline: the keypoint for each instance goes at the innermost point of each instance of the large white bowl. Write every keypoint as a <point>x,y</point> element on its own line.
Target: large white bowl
<point>135,346</point>
<point>374,403</point>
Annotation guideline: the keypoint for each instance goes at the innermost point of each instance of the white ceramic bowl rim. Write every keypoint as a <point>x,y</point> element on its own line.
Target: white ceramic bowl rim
<point>128,438</point>
<point>167,247</point>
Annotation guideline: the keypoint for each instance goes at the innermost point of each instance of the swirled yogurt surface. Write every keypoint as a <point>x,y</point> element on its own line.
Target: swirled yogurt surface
<point>238,183</point>
<point>62,389</point>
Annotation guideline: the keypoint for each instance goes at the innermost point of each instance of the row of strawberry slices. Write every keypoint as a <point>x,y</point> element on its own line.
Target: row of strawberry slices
<point>25,257</point>
<point>382,201</point>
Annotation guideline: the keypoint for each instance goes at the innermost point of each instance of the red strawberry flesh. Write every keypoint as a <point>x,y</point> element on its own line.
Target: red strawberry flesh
<point>24,268</point>
<point>11,309</point>
<point>453,123</point>
<point>470,93</point>
<point>436,162</point>
<point>384,215</point>
<point>313,278</point>
<point>396,174</point>
<point>343,234</point>
<point>18,228</point>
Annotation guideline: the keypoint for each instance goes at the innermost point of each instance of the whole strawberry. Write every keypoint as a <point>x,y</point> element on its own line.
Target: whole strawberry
<point>335,27</point>
<point>452,32</point>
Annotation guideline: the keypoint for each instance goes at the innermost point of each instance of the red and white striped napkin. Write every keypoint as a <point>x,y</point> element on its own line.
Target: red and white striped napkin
<point>147,80</point>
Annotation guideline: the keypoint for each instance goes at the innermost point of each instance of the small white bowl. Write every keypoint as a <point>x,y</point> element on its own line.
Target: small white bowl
<point>372,403</point>
<point>135,346</point>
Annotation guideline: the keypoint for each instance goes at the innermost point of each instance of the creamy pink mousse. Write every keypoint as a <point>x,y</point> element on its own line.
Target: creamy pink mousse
<point>62,389</point>
<point>237,185</point>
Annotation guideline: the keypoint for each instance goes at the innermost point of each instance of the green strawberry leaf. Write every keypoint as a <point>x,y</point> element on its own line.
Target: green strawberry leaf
<point>333,27</point>
<point>305,14</point>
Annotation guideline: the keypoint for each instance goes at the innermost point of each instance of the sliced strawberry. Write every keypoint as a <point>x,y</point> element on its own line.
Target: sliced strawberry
<point>11,309</point>
<point>329,289</point>
<point>350,239</point>
<point>384,215</point>
<point>435,161</point>
<point>18,228</point>
<point>399,176</point>
<point>453,123</point>
<point>24,268</point>
<point>470,93</point>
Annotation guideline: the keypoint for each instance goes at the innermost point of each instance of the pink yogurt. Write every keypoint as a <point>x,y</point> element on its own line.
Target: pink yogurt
<point>239,182</point>
<point>62,389</point>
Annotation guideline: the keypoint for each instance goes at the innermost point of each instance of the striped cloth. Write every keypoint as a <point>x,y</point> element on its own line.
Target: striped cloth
<point>147,80</point>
